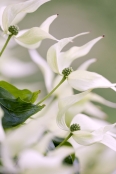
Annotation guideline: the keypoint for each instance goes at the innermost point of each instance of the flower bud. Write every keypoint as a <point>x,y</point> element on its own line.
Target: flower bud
<point>13,29</point>
<point>74,127</point>
<point>67,71</point>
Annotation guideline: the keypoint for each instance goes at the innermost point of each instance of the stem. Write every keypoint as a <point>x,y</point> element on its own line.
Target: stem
<point>6,43</point>
<point>62,80</point>
<point>65,140</point>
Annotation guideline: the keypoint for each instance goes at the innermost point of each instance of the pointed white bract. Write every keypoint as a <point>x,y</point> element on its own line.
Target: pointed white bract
<point>64,105</point>
<point>84,80</point>
<point>86,64</point>
<point>47,73</point>
<point>54,55</point>
<point>10,13</point>
<point>59,60</point>
<point>31,38</point>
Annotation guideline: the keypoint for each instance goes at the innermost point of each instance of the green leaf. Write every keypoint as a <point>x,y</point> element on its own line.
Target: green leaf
<point>24,94</point>
<point>16,111</point>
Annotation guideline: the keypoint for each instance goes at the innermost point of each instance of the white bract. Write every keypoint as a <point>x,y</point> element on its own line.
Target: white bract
<point>29,38</point>
<point>84,80</point>
<point>87,106</point>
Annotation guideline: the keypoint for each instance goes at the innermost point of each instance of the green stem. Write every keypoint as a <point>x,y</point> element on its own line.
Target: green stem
<point>65,140</point>
<point>6,43</point>
<point>62,80</point>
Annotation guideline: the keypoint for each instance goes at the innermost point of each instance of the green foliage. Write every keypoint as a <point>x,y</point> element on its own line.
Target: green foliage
<point>24,94</point>
<point>17,104</point>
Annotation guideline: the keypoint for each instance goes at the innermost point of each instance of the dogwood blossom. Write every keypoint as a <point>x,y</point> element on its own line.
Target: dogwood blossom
<point>12,12</point>
<point>89,131</point>
<point>80,79</point>
<point>58,60</point>
<point>29,38</point>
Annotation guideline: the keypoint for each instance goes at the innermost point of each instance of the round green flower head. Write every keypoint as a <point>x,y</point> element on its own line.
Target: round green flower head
<point>67,71</point>
<point>74,127</point>
<point>13,30</point>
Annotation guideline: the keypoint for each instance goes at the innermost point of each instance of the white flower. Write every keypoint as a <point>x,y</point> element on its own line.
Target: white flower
<point>11,12</point>
<point>29,38</point>
<point>89,131</point>
<point>80,79</point>
<point>59,60</point>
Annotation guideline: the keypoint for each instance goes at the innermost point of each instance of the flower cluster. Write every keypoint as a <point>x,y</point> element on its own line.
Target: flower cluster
<point>61,132</point>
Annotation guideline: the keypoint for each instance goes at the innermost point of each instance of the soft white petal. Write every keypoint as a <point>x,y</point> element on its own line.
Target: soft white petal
<point>46,24</point>
<point>94,111</point>
<point>32,37</point>
<point>99,99</point>
<point>76,52</point>
<point>1,13</point>
<point>86,64</point>
<point>86,123</point>
<point>85,138</point>
<point>19,18</point>
<point>112,134</point>
<point>6,159</point>
<point>42,146</point>
<point>103,130</point>
<point>30,159</point>
<point>55,60</point>
<point>64,105</point>
<point>109,141</point>
<point>47,73</point>
<point>11,11</point>
<point>31,132</point>
<point>15,68</point>
<point>84,80</point>
<point>61,152</point>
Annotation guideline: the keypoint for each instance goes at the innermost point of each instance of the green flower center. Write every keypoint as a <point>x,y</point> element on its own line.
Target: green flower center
<point>13,30</point>
<point>74,127</point>
<point>67,71</point>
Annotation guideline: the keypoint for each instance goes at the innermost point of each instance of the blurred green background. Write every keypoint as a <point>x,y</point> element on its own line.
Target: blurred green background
<point>76,16</point>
